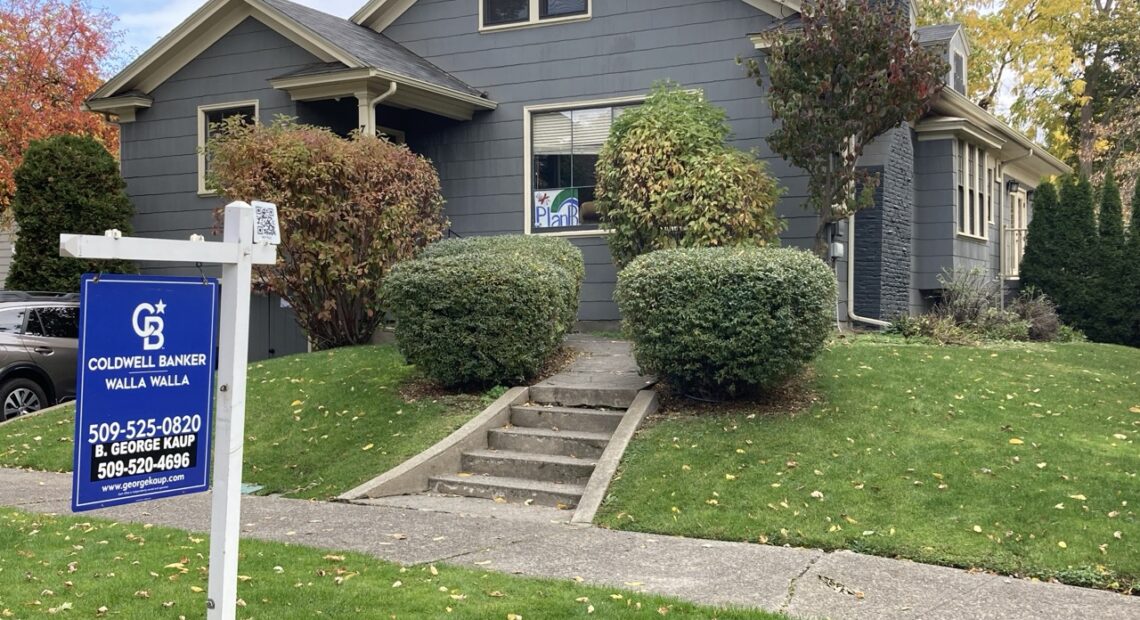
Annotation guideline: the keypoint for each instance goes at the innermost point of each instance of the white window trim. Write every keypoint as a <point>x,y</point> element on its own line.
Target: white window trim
<point>528,157</point>
<point>535,20</point>
<point>202,109</point>
<point>979,209</point>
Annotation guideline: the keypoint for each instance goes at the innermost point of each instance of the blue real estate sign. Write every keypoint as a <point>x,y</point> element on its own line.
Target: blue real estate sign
<point>145,388</point>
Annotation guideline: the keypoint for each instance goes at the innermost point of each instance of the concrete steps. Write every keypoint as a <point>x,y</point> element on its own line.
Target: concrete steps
<point>554,444</point>
<point>544,456</point>
<point>518,490</point>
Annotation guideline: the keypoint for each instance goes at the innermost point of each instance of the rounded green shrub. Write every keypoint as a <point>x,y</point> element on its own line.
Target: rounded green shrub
<point>559,252</point>
<point>479,318</point>
<point>726,321</point>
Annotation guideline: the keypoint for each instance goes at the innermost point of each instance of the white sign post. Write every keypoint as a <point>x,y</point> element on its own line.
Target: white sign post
<point>237,254</point>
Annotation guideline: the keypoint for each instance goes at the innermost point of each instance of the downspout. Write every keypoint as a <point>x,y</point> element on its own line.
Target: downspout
<point>851,279</point>
<point>375,101</point>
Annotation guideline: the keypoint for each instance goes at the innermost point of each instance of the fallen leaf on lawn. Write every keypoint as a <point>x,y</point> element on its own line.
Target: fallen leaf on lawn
<point>978,529</point>
<point>334,558</point>
<point>1042,465</point>
<point>589,609</point>
<point>496,594</point>
<point>1120,436</point>
<point>368,447</point>
<point>817,494</point>
<point>729,477</point>
<point>397,584</point>
<point>1134,408</point>
<point>433,569</point>
<point>295,403</point>
<point>616,597</point>
<point>1062,545</point>
<point>1117,535</point>
<point>196,589</point>
<point>582,599</point>
<point>1015,441</point>
<point>1060,506</point>
<point>514,617</point>
<point>1079,497</point>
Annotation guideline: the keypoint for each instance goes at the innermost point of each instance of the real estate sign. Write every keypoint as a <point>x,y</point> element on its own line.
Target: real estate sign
<point>145,388</point>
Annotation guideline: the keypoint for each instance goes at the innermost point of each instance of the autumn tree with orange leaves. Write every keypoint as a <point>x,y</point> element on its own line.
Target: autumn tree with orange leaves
<point>50,55</point>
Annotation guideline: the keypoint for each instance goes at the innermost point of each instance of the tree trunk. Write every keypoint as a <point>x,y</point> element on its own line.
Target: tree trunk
<point>1086,127</point>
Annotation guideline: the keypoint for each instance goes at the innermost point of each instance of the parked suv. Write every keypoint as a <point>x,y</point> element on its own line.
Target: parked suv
<point>39,342</point>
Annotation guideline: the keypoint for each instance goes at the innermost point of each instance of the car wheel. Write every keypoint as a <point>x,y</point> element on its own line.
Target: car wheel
<point>20,396</point>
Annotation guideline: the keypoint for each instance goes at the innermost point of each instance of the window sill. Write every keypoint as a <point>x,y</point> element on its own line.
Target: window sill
<point>207,193</point>
<point>534,24</point>
<point>598,232</point>
<point>975,238</point>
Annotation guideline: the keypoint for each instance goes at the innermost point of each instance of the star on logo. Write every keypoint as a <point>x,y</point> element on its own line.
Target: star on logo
<point>160,307</point>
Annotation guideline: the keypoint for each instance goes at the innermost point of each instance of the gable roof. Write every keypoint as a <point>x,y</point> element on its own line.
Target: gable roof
<point>330,39</point>
<point>379,14</point>
<point>941,33</point>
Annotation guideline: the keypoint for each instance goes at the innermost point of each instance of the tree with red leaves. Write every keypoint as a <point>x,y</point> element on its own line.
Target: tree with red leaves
<point>50,55</point>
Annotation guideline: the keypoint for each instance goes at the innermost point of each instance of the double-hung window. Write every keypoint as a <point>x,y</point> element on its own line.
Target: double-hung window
<point>977,180</point>
<point>496,14</point>
<point>210,118</point>
<point>563,150</point>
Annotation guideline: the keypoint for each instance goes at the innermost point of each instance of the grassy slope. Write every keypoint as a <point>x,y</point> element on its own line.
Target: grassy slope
<point>93,568</point>
<point>316,424</point>
<point>1021,459</point>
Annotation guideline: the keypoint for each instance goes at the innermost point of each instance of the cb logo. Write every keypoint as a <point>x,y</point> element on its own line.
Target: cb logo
<point>151,325</point>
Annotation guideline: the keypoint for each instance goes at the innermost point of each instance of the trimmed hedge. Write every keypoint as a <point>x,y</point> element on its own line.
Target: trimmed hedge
<point>719,322</point>
<point>559,252</point>
<point>477,313</point>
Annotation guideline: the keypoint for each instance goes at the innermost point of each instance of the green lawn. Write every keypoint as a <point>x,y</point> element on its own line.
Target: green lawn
<point>65,566</point>
<point>1021,459</point>
<point>317,424</point>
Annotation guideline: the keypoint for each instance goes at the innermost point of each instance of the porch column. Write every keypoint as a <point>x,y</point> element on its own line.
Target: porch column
<point>366,114</point>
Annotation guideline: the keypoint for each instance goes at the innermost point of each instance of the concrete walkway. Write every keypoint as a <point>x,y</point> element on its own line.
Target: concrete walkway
<point>802,582</point>
<point>604,374</point>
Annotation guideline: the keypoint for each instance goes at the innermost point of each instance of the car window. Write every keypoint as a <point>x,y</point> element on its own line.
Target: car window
<point>12,321</point>
<point>58,322</point>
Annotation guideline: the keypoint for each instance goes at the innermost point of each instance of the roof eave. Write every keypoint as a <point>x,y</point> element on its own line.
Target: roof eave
<point>953,103</point>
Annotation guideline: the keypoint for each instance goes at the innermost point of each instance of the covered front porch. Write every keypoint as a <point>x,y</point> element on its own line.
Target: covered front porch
<point>374,101</point>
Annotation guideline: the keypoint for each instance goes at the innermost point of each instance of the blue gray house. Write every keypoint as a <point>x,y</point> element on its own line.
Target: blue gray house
<point>512,99</point>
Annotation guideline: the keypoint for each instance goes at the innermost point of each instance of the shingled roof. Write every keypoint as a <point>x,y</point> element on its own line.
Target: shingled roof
<point>370,47</point>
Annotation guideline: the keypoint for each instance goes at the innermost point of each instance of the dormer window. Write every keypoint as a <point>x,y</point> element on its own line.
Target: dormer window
<point>502,14</point>
<point>959,73</point>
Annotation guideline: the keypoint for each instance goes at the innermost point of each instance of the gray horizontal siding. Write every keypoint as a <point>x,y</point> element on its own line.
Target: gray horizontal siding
<point>934,226</point>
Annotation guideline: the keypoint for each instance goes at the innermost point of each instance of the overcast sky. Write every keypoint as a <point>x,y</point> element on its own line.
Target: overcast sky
<point>145,21</point>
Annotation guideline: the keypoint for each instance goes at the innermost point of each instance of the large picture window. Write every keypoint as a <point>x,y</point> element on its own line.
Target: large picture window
<point>564,147</point>
<point>506,13</point>
<point>209,118</point>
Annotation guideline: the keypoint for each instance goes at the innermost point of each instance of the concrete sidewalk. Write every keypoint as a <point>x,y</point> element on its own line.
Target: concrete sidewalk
<point>802,582</point>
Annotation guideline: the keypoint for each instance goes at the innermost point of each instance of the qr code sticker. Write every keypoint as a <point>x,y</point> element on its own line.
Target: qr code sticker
<point>265,226</point>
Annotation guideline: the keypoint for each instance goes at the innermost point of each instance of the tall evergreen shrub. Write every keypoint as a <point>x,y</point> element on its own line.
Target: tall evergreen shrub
<point>1109,320</point>
<point>1060,258</point>
<point>66,184</point>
